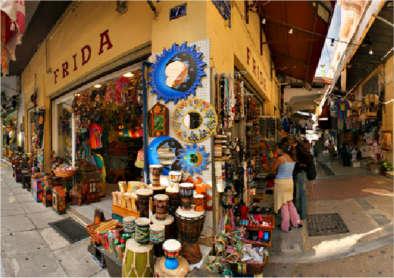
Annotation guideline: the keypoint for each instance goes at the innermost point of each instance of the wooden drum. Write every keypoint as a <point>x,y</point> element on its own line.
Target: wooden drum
<point>169,226</point>
<point>161,205</point>
<point>175,176</point>
<point>199,204</point>
<point>190,224</point>
<point>137,260</point>
<point>173,202</point>
<point>186,194</point>
<point>157,237</point>
<point>143,197</point>
<point>155,174</point>
<point>142,230</point>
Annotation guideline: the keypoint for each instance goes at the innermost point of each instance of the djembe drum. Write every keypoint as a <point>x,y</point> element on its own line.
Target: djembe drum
<point>143,198</point>
<point>172,248</point>
<point>161,205</point>
<point>175,177</point>
<point>169,225</point>
<point>186,195</point>
<point>157,237</point>
<point>173,195</point>
<point>172,265</point>
<point>190,224</point>
<point>142,230</point>
<point>137,260</point>
<point>198,200</point>
<point>155,174</point>
<point>129,225</point>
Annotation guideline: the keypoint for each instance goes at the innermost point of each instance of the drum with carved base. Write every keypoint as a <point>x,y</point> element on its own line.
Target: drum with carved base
<point>190,224</point>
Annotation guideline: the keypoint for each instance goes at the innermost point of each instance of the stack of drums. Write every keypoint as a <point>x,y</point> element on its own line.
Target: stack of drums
<point>138,256</point>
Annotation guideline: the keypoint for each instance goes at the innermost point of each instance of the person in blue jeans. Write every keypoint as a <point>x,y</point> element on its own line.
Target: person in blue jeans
<point>304,160</point>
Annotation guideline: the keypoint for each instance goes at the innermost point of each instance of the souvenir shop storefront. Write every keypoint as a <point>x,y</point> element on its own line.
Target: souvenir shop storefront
<point>171,152</point>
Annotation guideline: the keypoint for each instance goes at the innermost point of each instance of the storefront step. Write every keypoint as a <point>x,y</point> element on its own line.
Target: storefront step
<point>289,243</point>
<point>83,220</point>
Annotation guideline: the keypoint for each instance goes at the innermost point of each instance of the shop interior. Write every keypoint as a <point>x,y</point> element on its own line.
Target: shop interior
<point>98,129</point>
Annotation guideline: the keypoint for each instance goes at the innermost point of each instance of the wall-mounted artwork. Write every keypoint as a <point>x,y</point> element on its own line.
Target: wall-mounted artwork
<point>193,159</point>
<point>177,73</point>
<point>158,120</point>
<point>164,150</point>
<point>194,120</point>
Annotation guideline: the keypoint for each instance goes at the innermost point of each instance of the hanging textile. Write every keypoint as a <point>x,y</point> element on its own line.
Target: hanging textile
<point>12,29</point>
<point>343,107</point>
<point>95,132</point>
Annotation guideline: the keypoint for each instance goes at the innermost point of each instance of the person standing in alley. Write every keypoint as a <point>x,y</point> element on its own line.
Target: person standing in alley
<point>284,186</point>
<point>304,170</point>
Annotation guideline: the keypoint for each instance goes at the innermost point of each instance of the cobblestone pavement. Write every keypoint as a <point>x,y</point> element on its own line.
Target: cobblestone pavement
<point>29,247</point>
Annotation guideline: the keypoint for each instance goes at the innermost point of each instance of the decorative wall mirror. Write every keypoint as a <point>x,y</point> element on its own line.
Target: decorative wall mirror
<point>177,73</point>
<point>164,150</point>
<point>158,120</point>
<point>193,159</point>
<point>194,120</point>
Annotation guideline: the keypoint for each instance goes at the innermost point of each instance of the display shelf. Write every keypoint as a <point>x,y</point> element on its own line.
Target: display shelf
<point>123,212</point>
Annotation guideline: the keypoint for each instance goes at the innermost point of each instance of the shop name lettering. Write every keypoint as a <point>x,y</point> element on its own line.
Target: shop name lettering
<point>255,69</point>
<point>82,58</point>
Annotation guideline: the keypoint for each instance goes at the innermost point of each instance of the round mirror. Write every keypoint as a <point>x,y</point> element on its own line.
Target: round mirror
<point>177,72</point>
<point>164,150</point>
<point>192,120</point>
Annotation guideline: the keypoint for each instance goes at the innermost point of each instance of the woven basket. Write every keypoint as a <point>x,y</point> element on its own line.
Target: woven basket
<point>249,268</point>
<point>63,173</point>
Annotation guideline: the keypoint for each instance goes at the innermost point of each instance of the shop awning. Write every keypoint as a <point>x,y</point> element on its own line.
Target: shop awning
<point>295,32</point>
<point>376,47</point>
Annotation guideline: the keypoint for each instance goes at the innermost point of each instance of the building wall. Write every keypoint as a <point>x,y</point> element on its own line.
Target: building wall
<point>239,45</point>
<point>387,123</point>
<point>58,61</point>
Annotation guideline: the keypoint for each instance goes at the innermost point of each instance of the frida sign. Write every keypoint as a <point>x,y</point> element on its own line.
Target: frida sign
<point>82,57</point>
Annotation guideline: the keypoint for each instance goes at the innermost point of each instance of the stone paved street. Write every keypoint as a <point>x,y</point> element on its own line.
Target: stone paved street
<point>365,203</point>
<point>29,247</point>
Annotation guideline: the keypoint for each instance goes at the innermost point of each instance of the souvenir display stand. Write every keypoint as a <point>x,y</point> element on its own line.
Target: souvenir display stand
<point>148,217</point>
<point>244,153</point>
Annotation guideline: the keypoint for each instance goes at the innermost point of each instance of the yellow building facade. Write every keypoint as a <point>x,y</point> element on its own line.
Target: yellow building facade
<point>93,38</point>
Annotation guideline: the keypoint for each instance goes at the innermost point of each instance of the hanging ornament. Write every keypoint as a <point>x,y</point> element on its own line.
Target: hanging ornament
<point>193,159</point>
<point>177,73</point>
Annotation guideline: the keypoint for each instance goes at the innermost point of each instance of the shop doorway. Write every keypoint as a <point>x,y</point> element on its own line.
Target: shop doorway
<point>99,129</point>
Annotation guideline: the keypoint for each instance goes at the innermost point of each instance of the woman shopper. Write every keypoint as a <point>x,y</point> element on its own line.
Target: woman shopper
<point>284,186</point>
